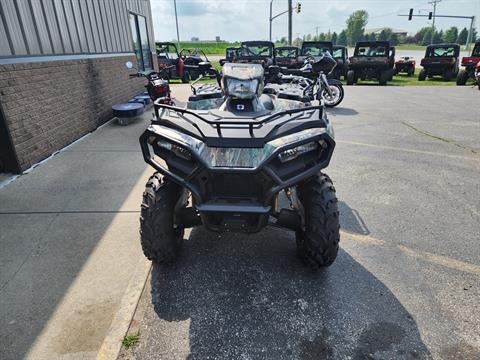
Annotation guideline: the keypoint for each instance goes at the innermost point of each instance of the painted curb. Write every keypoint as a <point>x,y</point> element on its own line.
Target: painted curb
<point>112,343</point>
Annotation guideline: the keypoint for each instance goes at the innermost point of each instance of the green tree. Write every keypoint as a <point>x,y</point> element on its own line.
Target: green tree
<point>342,38</point>
<point>356,23</point>
<point>382,36</point>
<point>474,35</point>
<point>309,37</point>
<point>462,36</point>
<point>420,35</point>
<point>321,37</point>
<point>394,39</point>
<point>451,35</point>
<point>426,36</point>
<point>334,38</point>
<point>438,37</point>
<point>283,40</point>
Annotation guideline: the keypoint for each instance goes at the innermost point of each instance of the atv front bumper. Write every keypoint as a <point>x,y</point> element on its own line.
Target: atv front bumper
<point>234,189</point>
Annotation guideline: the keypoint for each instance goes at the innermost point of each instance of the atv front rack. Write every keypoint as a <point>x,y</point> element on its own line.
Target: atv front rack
<point>219,123</point>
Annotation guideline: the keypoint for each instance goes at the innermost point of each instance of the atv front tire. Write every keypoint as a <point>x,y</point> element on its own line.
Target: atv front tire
<point>462,77</point>
<point>161,240</point>
<point>350,77</point>
<point>318,244</point>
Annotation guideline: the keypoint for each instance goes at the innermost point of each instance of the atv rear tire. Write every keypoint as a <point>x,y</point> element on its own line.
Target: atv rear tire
<point>350,77</point>
<point>160,240</point>
<point>462,77</point>
<point>318,244</point>
<point>423,75</point>
<point>384,77</point>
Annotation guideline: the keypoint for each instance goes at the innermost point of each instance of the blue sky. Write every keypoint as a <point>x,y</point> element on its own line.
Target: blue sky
<point>248,19</point>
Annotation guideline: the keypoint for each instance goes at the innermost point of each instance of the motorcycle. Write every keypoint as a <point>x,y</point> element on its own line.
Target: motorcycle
<point>230,158</point>
<point>158,87</point>
<point>313,79</point>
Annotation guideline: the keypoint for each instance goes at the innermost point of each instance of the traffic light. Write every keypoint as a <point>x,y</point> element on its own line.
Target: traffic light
<point>410,14</point>
<point>298,8</point>
<point>430,15</point>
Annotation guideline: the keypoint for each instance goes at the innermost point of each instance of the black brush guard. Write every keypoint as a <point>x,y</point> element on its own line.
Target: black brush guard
<point>232,198</point>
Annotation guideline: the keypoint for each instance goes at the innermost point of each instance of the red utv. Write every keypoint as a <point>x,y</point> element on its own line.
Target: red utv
<point>406,64</point>
<point>440,59</point>
<point>168,55</point>
<point>469,64</point>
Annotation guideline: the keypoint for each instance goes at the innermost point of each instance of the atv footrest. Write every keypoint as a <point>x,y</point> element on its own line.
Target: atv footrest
<point>231,207</point>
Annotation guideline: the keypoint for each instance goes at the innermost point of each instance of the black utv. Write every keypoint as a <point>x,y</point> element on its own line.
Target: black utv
<point>371,60</point>
<point>240,156</point>
<point>340,54</point>
<point>315,49</point>
<point>257,52</point>
<point>440,60</point>
<point>287,56</point>
<point>231,54</point>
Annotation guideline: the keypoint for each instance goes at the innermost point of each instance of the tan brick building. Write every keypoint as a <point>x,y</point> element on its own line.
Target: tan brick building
<point>62,68</point>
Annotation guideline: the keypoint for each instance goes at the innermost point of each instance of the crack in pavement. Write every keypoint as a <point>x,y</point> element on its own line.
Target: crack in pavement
<point>439,137</point>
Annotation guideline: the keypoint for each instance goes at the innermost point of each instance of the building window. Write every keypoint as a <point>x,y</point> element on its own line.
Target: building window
<point>141,45</point>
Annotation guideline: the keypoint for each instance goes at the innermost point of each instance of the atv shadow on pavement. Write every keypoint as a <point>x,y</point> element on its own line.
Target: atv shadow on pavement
<point>240,296</point>
<point>351,221</point>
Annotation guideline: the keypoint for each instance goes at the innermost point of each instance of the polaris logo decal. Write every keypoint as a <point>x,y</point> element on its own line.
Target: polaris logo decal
<point>240,107</point>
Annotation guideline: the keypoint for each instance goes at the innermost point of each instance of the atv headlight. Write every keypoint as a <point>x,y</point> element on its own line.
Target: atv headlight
<point>177,150</point>
<point>295,152</point>
<point>242,89</point>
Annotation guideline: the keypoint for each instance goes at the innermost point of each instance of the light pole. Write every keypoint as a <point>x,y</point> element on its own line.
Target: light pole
<point>271,3</point>
<point>290,22</point>
<point>176,21</point>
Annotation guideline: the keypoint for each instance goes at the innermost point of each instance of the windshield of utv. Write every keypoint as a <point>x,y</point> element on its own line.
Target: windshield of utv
<point>256,51</point>
<point>287,53</point>
<point>315,50</point>
<point>444,51</point>
<point>371,50</point>
<point>338,53</point>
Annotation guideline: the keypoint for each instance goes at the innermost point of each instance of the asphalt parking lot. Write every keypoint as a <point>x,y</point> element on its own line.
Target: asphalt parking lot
<point>406,282</point>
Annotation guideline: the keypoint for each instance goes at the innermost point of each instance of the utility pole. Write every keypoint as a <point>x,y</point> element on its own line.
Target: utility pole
<point>290,22</point>
<point>271,3</point>
<point>176,21</point>
<point>434,2</point>
<point>316,29</point>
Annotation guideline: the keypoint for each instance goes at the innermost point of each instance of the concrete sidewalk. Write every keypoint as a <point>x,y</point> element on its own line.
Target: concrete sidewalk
<point>69,245</point>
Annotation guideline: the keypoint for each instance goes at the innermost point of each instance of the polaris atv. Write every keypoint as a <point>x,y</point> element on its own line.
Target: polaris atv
<point>469,64</point>
<point>231,156</point>
<point>440,59</point>
<point>405,64</point>
<point>371,60</point>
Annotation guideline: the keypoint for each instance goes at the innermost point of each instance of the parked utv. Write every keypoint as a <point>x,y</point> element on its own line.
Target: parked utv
<point>168,56</point>
<point>257,52</point>
<point>469,64</point>
<point>192,58</point>
<point>371,60</point>
<point>406,65</point>
<point>227,159</point>
<point>340,53</point>
<point>315,49</point>
<point>441,60</point>
<point>231,54</point>
<point>287,56</point>
<point>477,75</point>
